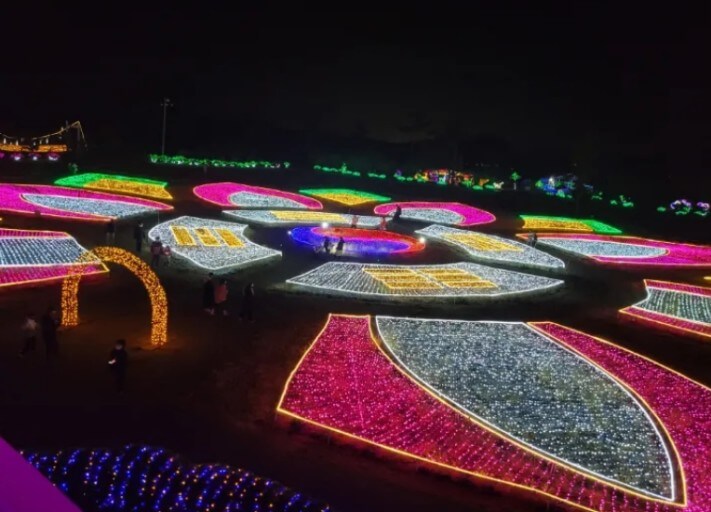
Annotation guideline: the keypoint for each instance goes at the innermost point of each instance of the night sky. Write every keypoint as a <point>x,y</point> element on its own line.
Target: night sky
<point>570,81</point>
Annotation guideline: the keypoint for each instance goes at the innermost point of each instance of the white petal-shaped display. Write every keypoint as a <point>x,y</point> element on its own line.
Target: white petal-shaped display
<point>532,389</point>
<point>88,206</point>
<point>467,280</point>
<point>490,248</point>
<point>211,244</point>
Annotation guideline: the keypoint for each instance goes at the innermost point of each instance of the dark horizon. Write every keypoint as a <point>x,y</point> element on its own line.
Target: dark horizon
<point>609,89</point>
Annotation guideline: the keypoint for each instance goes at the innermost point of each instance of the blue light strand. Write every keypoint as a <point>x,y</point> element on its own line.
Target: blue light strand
<point>143,478</point>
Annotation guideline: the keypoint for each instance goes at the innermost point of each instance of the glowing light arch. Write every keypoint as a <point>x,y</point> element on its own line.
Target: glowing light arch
<point>156,293</point>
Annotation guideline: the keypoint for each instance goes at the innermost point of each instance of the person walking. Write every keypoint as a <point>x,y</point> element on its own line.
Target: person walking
<point>29,328</point>
<point>247,311</point>
<point>208,295</point>
<point>110,232</point>
<point>118,363</point>
<point>327,246</point>
<point>49,324</point>
<point>398,212</point>
<point>339,247</point>
<point>221,296</point>
<point>354,221</point>
<point>156,253</point>
<point>139,234</point>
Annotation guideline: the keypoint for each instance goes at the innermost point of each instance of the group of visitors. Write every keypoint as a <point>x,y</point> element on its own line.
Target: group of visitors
<point>158,250</point>
<point>214,298</point>
<point>328,248</point>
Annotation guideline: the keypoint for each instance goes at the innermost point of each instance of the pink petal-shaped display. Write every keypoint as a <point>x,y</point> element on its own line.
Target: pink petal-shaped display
<point>231,195</point>
<point>457,214</point>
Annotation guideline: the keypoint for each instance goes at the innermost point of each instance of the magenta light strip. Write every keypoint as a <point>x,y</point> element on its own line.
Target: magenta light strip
<point>12,200</point>
<point>677,254</point>
<point>219,194</point>
<point>470,216</point>
<point>38,274</point>
<point>344,383</point>
<point>682,405</point>
<point>678,287</point>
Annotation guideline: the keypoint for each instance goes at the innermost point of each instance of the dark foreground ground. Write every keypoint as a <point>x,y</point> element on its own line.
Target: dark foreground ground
<point>211,393</point>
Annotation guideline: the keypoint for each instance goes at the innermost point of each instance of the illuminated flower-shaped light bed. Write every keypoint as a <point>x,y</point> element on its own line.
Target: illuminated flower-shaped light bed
<point>228,195</point>
<point>118,184</point>
<point>629,250</point>
<point>679,307</point>
<point>457,214</point>
<point>41,256</point>
<point>538,406</point>
<point>297,217</point>
<point>211,244</point>
<point>73,204</point>
<point>547,223</point>
<point>358,242</point>
<point>346,196</point>
<point>490,248</point>
<point>466,280</point>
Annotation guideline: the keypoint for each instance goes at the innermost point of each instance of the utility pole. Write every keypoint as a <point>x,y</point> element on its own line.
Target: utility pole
<point>165,104</point>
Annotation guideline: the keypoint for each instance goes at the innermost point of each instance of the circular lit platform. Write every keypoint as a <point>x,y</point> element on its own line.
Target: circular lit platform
<point>357,242</point>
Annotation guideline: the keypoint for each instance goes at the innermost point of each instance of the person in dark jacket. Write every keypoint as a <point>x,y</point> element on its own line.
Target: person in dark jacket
<point>139,235</point>
<point>49,324</point>
<point>110,232</point>
<point>247,311</point>
<point>156,253</point>
<point>118,363</point>
<point>208,294</point>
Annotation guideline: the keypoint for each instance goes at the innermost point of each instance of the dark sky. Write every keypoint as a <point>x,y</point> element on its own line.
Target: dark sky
<point>572,79</point>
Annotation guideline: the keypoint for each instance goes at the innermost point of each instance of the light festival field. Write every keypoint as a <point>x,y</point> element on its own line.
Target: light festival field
<point>548,223</point>
<point>490,248</point>
<point>29,256</point>
<point>228,194</point>
<point>629,250</point>
<point>457,214</point>
<point>212,244</point>
<point>393,282</point>
<point>537,406</point>
<point>73,204</point>
<point>118,184</point>
<point>678,307</point>
<point>301,218</point>
<point>345,196</point>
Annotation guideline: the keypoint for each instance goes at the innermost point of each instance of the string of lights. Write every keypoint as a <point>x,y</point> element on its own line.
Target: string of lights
<point>490,248</point>
<point>179,160</point>
<point>211,244</point>
<point>629,250</point>
<point>348,386</point>
<point>346,196</point>
<point>465,280</point>
<point>548,223</point>
<point>681,405</point>
<point>679,307</point>
<point>439,213</point>
<point>119,184</point>
<point>295,218</point>
<point>156,293</point>
<point>357,242</point>
<point>531,389</point>
<point>72,203</point>
<point>40,256</point>
<point>227,194</point>
<point>143,479</point>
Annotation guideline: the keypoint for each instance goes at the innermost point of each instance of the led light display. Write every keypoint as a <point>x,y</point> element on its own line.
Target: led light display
<point>679,307</point>
<point>547,223</point>
<point>531,389</point>
<point>118,184</point>
<point>358,242</point>
<point>211,244</point>
<point>482,247</point>
<point>141,478</point>
<point>296,217</point>
<point>214,162</point>
<point>629,250</point>
<point>439,213</point>
<point>467,280</point>
<point>156,293</point>
<point>681,405</point>
<point>229,194</point>
<point>40,256</point>
<point>72,203</point>
<point>347,384</point>
<point>346,196</point>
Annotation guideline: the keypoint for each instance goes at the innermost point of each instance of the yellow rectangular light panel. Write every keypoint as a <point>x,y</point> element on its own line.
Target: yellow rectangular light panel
<point>556,225</point>
<point>480,242</point>
<point>307,216</point>
<point>229,237</point>
<point>207,238</point>
<point>182,235</point>
<point>402,279</point>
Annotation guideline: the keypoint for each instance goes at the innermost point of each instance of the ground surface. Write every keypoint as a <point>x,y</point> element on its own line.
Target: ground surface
<point>211,393</point>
